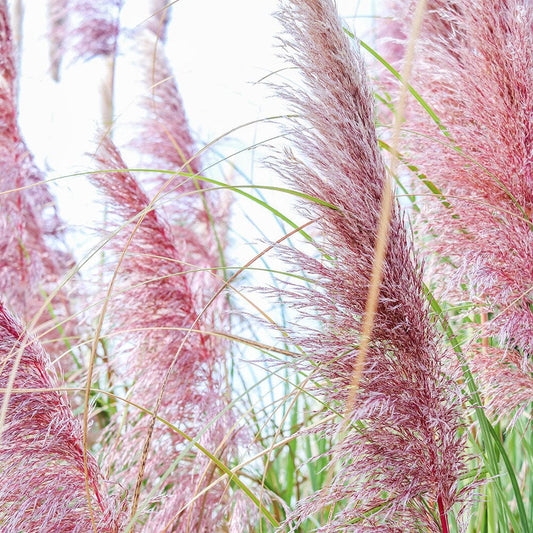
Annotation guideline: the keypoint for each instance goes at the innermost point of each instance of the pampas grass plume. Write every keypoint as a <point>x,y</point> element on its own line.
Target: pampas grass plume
<point>408,449</point>
<point>42,483</point>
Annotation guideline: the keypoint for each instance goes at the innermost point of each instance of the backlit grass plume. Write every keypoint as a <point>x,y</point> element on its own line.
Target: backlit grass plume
<point>173,363</point>
<point>474,68</point>
<point>399,463</point>
<point>42,481</point>
<point>94,27</point>
<point>33,254</point>
<point>165,142</point>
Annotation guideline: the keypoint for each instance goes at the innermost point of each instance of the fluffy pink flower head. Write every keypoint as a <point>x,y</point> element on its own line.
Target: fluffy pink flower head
<point>88,28</point>
<point>152,272</point>
<point>401,460</point>
<point>95,26</point>
<point>153,306</point>
<point>166,142</point>
<point>474,68</point>
<point>42,482</point>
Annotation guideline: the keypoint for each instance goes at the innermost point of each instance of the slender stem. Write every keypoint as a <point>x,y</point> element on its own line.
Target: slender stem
<point>484,338</point>
<point>443,516</point>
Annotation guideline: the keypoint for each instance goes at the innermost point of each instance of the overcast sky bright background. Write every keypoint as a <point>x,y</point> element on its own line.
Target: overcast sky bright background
<point>220,52</point>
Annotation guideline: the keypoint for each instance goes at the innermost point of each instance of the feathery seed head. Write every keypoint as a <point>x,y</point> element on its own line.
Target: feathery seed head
<point>42,484</point>
<point>408,446</point>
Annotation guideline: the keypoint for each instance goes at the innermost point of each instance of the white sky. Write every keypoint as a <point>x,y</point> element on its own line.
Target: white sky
<point>218,50</point>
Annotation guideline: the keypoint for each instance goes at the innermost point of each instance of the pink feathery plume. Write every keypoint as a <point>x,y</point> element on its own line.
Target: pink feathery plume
<point>94,27</point>
<point>165,142</point>
<point>87,28</point>
<point>509,390</point>
<point>33,255</point>
<point>400,462</point>
<point>390,33</point>
<point>154,305</point>
<point>474,67</point>
<point>153,269</point>
<point>158,21</point>
<point>166,129</point>
<point>42,480</point>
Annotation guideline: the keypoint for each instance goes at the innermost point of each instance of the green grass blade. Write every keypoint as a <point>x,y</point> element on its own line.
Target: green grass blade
<point>493,446</point>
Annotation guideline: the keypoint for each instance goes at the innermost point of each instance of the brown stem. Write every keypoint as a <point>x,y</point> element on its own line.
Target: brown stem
<point>484,339</point>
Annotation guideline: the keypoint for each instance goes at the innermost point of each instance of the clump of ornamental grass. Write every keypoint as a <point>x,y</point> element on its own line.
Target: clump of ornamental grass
<point>379,425</point>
